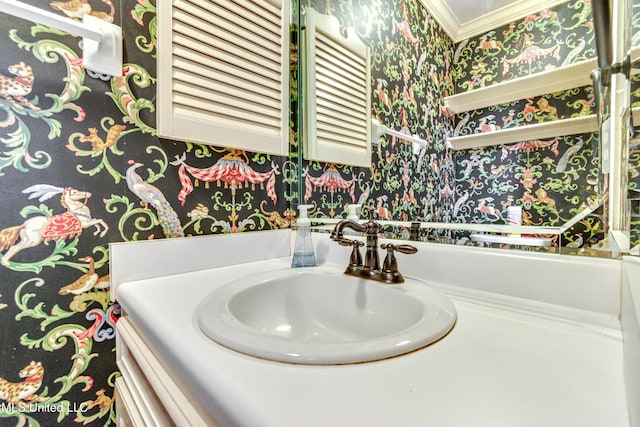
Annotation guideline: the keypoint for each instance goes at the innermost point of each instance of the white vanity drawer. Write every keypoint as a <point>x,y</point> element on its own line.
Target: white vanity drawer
<point>151,397</point>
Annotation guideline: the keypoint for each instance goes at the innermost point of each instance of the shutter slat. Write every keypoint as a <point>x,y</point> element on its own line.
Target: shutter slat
<point>224,66</point>
<point>265,13</point>
<point>340,87</point>
<point>187,60</point>
<point>347,92</point>
<point>328,47</point>
<point>338,134</point>
<point>228,31</point>
<point>203,80</point>
<point>339,140</point>
<point>231,113</point>
<point>346,121</point>
<point>238,95</point>
<point>219,50</point>
<point>347,77</point>
<point>339,109</point>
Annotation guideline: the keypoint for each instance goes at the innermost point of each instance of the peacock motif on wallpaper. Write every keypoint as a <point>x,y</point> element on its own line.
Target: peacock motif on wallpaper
<point>151,195</point>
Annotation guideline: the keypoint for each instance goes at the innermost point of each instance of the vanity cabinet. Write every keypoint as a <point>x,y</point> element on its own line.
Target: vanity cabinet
<point>148,394</point>
<point>149,391</point>
<point>532,340</point>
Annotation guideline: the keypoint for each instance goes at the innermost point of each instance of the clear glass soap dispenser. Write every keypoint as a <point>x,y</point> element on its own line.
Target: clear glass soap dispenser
<point>303,253</point>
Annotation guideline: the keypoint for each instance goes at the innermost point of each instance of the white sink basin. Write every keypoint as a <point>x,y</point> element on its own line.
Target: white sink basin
<point>320,316</point>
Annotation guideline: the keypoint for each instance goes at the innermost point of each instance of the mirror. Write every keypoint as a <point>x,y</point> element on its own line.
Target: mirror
<point>415,65</point>
<point>336,90</point>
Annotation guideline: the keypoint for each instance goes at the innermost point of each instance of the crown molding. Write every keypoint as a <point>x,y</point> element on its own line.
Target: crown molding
<point>458,31</point>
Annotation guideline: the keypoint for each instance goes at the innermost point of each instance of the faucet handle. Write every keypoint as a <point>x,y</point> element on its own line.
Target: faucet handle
<point>406,249</point>
<point>342,241</point>
<point>355,260</point>
<point>390,264</point>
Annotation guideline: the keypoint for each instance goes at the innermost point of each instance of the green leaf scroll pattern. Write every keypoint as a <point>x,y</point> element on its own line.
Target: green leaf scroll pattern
<point>125,100</point>
<point>15,152</point>
<point>142,42</point>
<point>55,339</point>
<point>290,181</point>
<point>15,149</point>
<point>50,52</point>
<point>202,221</point>
<point>104,407</point>
<point>161,162</point>
<point>537,42</point>
<point>143,219</point>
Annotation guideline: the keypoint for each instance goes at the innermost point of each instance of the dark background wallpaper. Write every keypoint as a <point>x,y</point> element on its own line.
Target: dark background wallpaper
<point>79,133</point>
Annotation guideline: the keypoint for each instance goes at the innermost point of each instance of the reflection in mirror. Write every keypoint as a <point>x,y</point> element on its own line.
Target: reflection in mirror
<point>336,93</point>
<point>415,65</point>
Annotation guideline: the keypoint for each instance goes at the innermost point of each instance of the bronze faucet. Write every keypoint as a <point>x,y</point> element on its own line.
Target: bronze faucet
<point>370,268</point>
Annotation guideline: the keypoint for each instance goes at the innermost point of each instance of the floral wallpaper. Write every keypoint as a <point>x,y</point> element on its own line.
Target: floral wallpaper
<point>411,59</point>
<point>81,166</point>
<point>634,144</point>
<point>415,66</point>
<point>552,179</point>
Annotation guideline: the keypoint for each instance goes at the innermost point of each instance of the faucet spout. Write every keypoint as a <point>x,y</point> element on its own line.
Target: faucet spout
<point>338,231</point>
<point>371,229</point>
<point>371,267</point>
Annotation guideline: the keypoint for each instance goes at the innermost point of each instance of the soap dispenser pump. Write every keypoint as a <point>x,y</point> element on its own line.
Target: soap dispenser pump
<point>303,254</point>
<point>353,211</point>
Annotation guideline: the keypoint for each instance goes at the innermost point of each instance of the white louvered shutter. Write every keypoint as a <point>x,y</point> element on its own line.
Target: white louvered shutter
<point>223,73</point>
<point>337,100</point>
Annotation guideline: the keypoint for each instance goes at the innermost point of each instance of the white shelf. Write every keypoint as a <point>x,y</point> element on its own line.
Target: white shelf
<point>575,75</point>
<point>101,40</point>
<point>570,76</point>
<point>562,127</point>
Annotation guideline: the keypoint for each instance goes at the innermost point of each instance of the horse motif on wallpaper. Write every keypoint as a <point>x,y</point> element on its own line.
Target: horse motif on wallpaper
<point>484,207</point>
<point>41,228</point>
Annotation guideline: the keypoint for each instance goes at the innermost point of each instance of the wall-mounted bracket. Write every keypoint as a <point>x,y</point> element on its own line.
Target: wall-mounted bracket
<point>102,41</point>
<point>104,56</point>
<point>378,129</point>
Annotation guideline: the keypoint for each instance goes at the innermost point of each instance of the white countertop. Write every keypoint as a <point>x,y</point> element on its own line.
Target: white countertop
<point>500,366</point>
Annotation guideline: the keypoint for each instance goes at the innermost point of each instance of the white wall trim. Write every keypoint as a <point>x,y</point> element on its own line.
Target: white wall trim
<point>459,31</point>
<point>631,335</point>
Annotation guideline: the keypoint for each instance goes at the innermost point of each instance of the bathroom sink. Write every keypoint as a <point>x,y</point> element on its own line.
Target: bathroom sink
<point>320,316</point>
